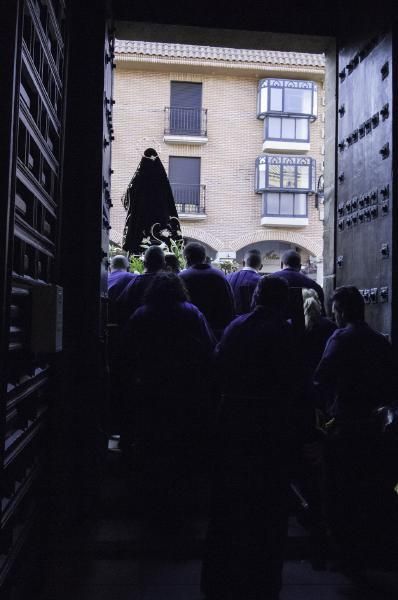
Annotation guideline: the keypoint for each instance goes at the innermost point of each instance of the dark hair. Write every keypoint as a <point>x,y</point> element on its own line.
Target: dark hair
<point>253,258</point>
<point>350,300</point>
<point>120,262</point>
<point>154,259</point>
<point>194,253</point>
<point>172,262</point>
<point>291,258</point>
<point>165,289</point>
<point>272,292</point>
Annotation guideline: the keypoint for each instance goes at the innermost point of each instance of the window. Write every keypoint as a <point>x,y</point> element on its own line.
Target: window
<point>184,116</point>
<point>287,96</point>
<point>286,129</point>
<point>289,173</point>
<point>184,176</point>
<point>284,204</point>
<point>287,107</point>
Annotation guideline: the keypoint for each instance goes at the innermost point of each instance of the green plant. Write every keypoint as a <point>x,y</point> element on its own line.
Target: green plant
<point>177,248</point>
<point>136,264</point>
<point>228,266</point>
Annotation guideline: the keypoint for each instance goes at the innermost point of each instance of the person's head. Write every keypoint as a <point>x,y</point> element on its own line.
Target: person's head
<point>150,152</point>
<point>165,289</point>
<point>291,259</point>
<point>272,292</point>
<point>253,259</point>
<point>172,262</point>
<point>194,253</point>
<point>154,259</point>
<point>348,305</point>
<point>312,307</point>
<point>119,263</point>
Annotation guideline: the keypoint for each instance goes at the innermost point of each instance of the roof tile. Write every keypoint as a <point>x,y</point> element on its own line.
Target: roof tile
<point>188,51</point>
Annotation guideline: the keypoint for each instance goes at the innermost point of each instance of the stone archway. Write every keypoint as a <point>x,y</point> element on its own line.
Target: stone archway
<point>292,237</point>
<point>202,236</point>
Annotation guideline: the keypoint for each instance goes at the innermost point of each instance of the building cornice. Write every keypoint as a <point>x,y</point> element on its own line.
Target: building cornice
<point>214,64</point>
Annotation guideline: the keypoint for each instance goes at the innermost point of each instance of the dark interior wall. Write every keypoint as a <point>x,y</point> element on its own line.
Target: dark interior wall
<point>312,17</point>
<point>82,376</point>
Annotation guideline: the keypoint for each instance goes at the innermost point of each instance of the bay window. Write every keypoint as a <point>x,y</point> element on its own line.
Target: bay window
<point>285,182</point>
<point>287,107</point>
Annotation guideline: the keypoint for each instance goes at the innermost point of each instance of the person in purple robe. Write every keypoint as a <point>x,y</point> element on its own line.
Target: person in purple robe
<point>168,346</point>
<point>258,369</point>
<point>133,294</point>
<point>243,282</point>
<point>291,271</point>
<point>118,279</point>
<point>357,376</point>
<point>208,288</point>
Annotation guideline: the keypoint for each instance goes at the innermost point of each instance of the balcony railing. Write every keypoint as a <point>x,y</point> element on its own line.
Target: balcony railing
<point>189,199</point>
<point>185,121</point>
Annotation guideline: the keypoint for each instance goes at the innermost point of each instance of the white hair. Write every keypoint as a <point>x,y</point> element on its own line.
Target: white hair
<point>312,307</point>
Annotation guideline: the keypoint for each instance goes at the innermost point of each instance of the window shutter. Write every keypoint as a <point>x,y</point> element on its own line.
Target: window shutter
<point>184,176</point>
<point>184,170</point>
<point>185,95</point>
<point>185,108</point>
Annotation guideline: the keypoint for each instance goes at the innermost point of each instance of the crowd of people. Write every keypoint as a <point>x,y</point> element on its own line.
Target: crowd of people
<point>245,377</point>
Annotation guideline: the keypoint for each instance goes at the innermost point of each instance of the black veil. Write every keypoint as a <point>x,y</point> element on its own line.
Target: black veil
<point>151,213</point>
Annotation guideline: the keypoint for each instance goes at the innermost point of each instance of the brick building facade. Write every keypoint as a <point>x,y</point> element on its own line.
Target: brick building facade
<point>210,147</point>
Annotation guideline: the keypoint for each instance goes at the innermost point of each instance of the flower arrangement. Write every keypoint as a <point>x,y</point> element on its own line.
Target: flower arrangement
<point>137,261</point>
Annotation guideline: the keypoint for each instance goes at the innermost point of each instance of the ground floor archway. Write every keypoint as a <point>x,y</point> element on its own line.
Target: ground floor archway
<point>296,238</point>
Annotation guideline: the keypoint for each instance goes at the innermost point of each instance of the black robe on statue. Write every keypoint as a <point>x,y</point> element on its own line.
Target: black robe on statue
<point>151,213</point>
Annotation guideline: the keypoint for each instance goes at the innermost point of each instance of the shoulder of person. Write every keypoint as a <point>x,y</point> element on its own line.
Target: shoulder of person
<point>187,272</point>
<point>132,280</point>
<point>341,334</point>
<point>127,277</point>
<point>327,323</point>
<point>278,273</point>
<point>236,324</point>
<point>256,275</point>
<point>190,308</point>
<point>138,314</point>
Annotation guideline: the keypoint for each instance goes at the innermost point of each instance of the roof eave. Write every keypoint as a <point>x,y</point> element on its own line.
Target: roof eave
<point>224,64</point>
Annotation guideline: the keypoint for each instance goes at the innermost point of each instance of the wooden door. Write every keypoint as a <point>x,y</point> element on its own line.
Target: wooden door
<point>364,170</point>
<point>33,32</point>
